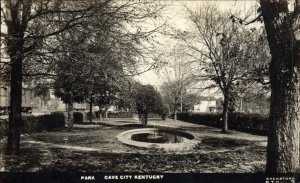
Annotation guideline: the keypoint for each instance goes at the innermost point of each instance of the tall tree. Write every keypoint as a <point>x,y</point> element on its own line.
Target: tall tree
<point>282,24</point>
<point>226,51</point>
<point>176,77</point>
<point>70,83</point>
<point>147,100</point>
<point>33,25</point>
<point>22,36</point>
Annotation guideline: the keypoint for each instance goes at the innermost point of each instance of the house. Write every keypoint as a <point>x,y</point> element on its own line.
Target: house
<point>206,104</point>
<point>5,99</point>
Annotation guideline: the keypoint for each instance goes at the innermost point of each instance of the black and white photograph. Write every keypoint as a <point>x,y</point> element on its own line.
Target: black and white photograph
<point>150,91</point>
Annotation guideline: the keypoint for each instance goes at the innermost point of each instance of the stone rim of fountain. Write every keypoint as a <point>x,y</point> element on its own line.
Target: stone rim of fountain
<point>186,144</point>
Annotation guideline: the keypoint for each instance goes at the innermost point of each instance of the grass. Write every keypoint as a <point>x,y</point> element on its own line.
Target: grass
<point>55,151</point>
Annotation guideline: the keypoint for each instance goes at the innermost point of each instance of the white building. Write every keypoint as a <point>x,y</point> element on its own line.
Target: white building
<point>206,105</point>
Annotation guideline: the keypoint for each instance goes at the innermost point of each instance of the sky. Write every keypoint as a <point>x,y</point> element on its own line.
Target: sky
<point>175,12</point>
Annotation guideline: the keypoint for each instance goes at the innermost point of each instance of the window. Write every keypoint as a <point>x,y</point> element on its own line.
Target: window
<point>212,109</point>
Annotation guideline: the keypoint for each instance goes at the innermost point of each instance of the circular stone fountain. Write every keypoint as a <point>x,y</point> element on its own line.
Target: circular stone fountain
<point>166,139</point>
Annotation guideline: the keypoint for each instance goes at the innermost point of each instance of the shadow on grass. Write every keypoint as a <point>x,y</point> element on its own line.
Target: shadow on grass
<point>28,160</point>
<point>224,142</point>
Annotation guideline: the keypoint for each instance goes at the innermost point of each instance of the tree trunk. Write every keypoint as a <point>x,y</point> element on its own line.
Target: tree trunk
<point>70,120</point>
<point>283,138</point>
<point>41,106</point>
<point>225,113</point>
<point>175,115</point>
<point>15,43</point>
<point>91,109</point>
<point>241,105</point>
<point>100,114</point>
<point>284,131</point>
<point>175,111</point>
<point>106,114</point>
<point>15,118</point>
<point>144,119</point>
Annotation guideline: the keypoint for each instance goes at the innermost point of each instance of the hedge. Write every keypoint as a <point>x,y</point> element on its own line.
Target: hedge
<point>249,122</point>
<point>78,117</point>
<point>88,115</point>
<point>30,124</point>
<point>122,114</point>
<point>254,123</point>
<point>47,122</point>
<point>3,128</point>
<point>152,115</point>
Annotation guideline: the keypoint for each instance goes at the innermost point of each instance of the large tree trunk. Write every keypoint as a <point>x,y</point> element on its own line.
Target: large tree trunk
<point>15,118</point>
<point>283,139</point>
<point>15,13</point>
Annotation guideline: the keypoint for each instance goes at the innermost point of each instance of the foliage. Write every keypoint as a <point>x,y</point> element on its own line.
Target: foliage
<point>39,33</point>
<point>147,100</point>
<point>125,99</point>
<point>106,94</point>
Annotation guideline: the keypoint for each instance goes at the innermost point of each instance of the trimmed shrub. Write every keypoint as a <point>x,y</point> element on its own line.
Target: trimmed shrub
<point>88,115</point>
<point>78,117</point>
<point>210,119</point>
<point>97,114</point>
<point>254,123</point>
<point>58,120</point>
<point>47,122</point>
<point>257,123</point>
<point>152,115</point>
<point>3,128</point>
<point>30,124</point>
<point>122,114</point>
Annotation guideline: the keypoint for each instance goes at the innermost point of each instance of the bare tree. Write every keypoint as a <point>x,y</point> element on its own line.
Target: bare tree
<point>225,49</point>
<point>177,76</point>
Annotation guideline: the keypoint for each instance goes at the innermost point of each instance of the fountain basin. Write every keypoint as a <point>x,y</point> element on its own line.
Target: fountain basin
<point>166,139</point>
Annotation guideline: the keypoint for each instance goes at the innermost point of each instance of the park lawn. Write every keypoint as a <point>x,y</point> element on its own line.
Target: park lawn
<point>95,149</point>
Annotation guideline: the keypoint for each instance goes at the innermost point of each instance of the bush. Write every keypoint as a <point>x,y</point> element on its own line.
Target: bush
<point>30,124</point>
<point>58,120</point>
<point>3,128</point>
<point>47,122</point>
<point>256,123</point>
<point>78,117</point>
<point>88,115</point>
<point>152,115</point>
<point>210,119</point>
<point>97,114</point>
<point>123,114</point>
